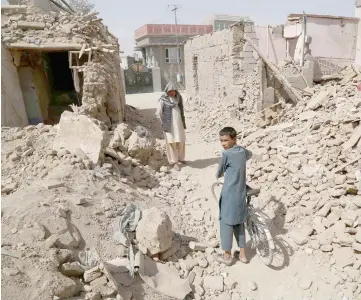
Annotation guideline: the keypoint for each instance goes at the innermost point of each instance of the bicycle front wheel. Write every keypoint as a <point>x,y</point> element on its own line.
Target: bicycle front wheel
<point>263,242</point>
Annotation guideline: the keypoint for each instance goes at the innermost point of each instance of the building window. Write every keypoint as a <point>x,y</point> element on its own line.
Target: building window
<point>171,55</point>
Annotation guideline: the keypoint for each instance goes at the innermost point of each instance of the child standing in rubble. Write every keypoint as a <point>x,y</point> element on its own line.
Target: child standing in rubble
<point>171,113</point>
<point>232,202</point>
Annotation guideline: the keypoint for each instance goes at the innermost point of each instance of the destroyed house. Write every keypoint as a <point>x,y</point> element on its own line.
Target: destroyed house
<point>54,61</point>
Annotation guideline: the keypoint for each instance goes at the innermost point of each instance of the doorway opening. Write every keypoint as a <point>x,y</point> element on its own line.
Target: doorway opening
<point>61,85</point>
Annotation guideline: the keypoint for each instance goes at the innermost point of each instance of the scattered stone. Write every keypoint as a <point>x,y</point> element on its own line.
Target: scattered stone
<point>72,269</point>
<point>99,281</point>
<point>230,283</point>
<point>213,283</point>
<point>60,212</point>
<point>198,246</point>
<point>188,264</point>
<point>304,283</point>
<point>55,185</point>
<point>343,256</point>
<point>202,262</point>
<point>326,248</point>
<point>140,144</point>
<point>252,286</point>
<point>298,237</point>
<point>92,274</point>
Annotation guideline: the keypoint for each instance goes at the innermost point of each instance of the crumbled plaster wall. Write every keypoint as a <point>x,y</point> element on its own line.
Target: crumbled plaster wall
<point>29,29</point>
<point>220,67</point>
<point>13,112</point>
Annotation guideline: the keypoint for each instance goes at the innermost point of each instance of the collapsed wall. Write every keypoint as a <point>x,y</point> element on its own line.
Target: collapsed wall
<point>222,74</point>
<point>93,54</point>
<point>216,67</point>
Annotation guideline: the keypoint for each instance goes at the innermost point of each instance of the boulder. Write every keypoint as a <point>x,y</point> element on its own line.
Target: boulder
<point>154,231</point>
<point>140,144</point>
<point>80,132</point>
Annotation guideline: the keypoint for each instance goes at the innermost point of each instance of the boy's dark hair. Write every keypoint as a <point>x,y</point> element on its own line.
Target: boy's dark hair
<point>228,131</point>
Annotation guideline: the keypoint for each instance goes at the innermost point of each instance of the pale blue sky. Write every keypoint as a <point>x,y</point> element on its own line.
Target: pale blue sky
<point>124,17</point>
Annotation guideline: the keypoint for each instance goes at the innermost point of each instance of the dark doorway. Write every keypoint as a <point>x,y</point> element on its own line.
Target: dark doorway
<point>61,83</point>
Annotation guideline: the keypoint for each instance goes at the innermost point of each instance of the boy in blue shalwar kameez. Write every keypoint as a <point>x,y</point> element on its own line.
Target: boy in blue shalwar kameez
<point>232,202</point>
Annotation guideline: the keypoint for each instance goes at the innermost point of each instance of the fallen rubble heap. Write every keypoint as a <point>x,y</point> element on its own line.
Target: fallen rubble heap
<point>55,202</point>
<point>307,159</point>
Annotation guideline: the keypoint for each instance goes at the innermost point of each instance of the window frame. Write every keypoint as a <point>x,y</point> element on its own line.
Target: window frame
<point>171,60</point>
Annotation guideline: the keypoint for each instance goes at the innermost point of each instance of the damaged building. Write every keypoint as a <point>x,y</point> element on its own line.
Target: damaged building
<point>224,66</point>
<point>52,60</point>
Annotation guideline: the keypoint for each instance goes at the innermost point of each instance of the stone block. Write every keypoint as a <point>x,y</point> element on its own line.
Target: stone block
<point>79,132</point>
<point>154,231</point>
<point>317,100</point>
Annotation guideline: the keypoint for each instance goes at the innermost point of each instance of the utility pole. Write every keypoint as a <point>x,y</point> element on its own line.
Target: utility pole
<point>175,8</point>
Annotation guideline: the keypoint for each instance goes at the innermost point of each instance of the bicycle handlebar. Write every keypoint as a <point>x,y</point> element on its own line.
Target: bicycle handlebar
<point>250,191</point>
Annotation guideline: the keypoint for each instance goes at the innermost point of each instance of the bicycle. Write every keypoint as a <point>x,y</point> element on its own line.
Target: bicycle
<point>257,227</point>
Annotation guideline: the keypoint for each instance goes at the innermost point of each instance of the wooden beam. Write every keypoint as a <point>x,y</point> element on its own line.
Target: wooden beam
<point>291,91</point>
<point>31,25</point>
<point>44,47</point>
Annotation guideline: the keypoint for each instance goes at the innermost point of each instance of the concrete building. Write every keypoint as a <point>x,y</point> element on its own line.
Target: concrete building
<point>332,41</point>
<point>221,22</point>
<point>158,44</point>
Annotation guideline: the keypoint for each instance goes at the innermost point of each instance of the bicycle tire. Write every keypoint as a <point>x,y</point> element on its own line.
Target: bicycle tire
<point>264,246</point>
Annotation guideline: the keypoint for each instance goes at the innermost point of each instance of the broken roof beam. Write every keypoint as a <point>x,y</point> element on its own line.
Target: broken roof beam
<point>45,47</point>
<point>21,9</point>
<point>60,6</point>
<point>291,91</point>
<point>30,25</point>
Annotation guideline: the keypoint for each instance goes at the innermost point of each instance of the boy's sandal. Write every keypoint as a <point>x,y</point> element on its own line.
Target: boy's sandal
<point>222,260</point>
<point>241,259</point>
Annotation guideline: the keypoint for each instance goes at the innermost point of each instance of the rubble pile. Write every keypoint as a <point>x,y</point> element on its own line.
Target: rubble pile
<point>60,209</point>
<point>310,171</point>
<point>308,164</point>
<point>56,203</point>
<point>95,53</point>
<point>212,116</point>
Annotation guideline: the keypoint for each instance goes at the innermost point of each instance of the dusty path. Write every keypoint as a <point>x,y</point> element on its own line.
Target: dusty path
<point>291,268</point>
